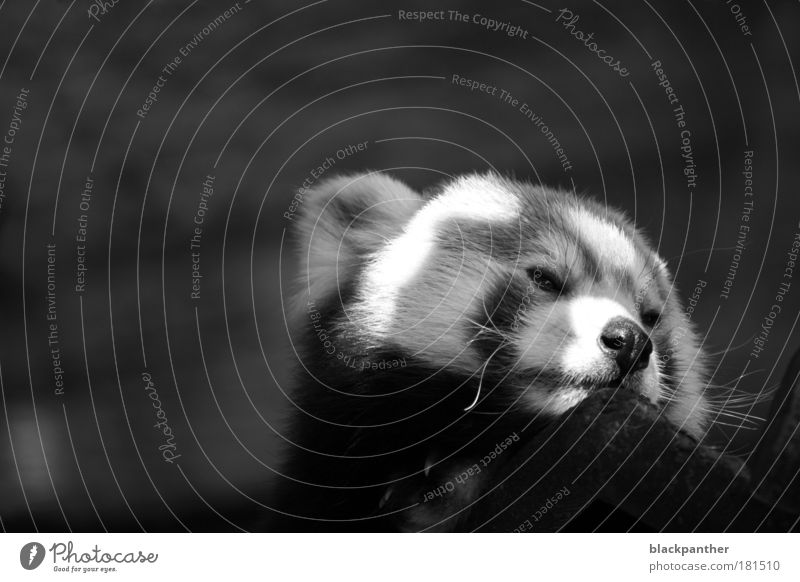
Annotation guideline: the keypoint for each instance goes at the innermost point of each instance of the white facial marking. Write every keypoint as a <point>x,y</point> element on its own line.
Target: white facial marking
<point>401,259</point>
<point>568,397</point>
<point>649,385</point>
<point>611,246</point>
<point>587,317</point>
<point>395,266</point>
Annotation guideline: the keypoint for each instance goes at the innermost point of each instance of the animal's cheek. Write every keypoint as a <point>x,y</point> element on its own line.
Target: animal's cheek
<point>542,334</point>
<point>649,384</point>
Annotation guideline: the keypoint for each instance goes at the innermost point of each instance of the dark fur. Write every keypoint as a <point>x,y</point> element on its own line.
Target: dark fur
<point>422,413</point>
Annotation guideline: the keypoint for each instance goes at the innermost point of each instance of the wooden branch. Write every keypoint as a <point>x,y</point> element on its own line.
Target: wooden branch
<point>776,461</point>
<point>624,468</point>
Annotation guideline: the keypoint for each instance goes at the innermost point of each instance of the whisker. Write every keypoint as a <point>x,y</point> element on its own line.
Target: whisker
<point>480,380</point>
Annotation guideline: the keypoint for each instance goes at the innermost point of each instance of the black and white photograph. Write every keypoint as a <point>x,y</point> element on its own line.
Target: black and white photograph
<point>360,269</point>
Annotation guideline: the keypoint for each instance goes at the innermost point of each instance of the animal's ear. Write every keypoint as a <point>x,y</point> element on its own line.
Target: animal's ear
<point>342,220</point>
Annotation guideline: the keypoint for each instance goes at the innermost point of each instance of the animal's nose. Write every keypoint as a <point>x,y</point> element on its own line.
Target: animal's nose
<point>627,343</point>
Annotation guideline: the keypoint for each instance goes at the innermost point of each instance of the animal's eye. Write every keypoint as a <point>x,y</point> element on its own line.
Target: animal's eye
<point>544,280</point>
<point>651,318</point>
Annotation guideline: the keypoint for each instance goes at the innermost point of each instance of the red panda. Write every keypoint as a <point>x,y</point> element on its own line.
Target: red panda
<point>433,328</point>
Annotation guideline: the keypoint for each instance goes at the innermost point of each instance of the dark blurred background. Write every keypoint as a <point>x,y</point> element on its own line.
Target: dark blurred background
<point>261,96</point>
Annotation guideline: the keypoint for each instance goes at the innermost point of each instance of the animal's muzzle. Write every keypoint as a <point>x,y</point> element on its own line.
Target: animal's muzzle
<point>627,343</point>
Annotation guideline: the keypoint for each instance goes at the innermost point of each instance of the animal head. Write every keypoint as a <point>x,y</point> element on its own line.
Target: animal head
<point>549,294</point>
